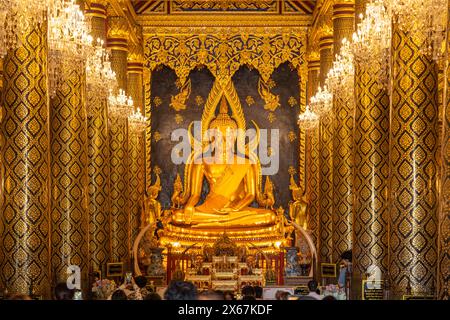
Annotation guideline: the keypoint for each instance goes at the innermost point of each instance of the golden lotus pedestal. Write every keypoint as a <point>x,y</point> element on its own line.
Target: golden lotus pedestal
<point>265,238</point>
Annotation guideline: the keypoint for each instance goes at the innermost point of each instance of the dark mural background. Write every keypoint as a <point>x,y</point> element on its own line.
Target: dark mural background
<point>284,118</point>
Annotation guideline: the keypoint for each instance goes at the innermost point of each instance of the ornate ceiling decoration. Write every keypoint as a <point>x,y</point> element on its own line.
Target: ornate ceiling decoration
<point>173,7</point>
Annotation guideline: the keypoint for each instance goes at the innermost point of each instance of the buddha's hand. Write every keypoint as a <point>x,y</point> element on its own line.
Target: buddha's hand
<point>224,211</point>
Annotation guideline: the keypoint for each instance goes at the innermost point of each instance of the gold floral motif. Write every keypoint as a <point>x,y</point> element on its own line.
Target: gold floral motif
<point>178,102</point>
<point>292,170</point>
<point>271,83</point>
<point>292,101</point>
<point>199,100</point>
<point>179,118</point>
<point>157,101</point>
<point>223,54</point>
<point>250,101</point>
<point>156,169</point>
<point>272,101</point>
<point>292,136</point>
<point>178,83</point>
<point>156,136</point>
<point>271,117</point>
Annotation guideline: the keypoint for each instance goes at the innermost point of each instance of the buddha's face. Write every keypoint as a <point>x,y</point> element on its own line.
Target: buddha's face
<point>223,139</point>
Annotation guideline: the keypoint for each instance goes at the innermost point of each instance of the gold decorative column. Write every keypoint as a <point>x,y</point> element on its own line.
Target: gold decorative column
<point>118,133</point>
<point>371,138</point>
<point>343,27</point>
<point>25,168</point>
<point>148,129</point>
<point>413,144</point>
<point>326,130</point>
<point>136,141</point>
<point>444,214</point>
<point>312,154</point>
<point>69,193</point>
<point>98,159</point>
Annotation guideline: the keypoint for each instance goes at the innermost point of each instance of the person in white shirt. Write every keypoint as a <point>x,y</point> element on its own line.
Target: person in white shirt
<point>312,287</point>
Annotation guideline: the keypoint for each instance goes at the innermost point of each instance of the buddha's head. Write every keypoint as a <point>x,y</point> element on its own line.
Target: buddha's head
<point>224,126</point>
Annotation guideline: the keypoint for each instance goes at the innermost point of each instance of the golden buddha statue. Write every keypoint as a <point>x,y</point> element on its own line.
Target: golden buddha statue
<point>234,185</point>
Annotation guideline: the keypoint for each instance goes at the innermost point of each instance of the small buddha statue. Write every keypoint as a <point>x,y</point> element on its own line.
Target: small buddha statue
<point>233,184</point>
<point>297,207</point>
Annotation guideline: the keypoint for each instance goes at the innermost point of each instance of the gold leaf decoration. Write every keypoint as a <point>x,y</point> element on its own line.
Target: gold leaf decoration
<point>178,83</point>
<point>178,102</point>
<point>292,101</point>
<point>292,170</point>
<point>157,101</point>
<point>271,83</point>
<point>250,101</point>
<point>272,101</point>
<point>292,136</point>
<point>179,118</point>
<point>157,170</point>
<point>271,117</point>
<point>156,136</point>
<point>199,100</point>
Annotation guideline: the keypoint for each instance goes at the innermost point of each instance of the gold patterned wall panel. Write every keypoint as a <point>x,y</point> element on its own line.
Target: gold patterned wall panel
<point>370,224</point>
<point>69,234</point>
<point>223,54</point>
<point>303,80</point>
<point>343,27</point>
<point>413,140</point>
<point>25,169</point>
<point>136,155</point>
<point>312,160</point>
<point>119,190</point>
<point>98,162</point>
<point>444,215</point>
<point>326,130</point>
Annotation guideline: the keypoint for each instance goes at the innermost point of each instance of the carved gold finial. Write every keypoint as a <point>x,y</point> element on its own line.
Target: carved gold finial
<point>272,101</point>
<point>177,192</point>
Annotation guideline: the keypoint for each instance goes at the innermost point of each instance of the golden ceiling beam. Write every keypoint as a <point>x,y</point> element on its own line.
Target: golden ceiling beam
<point>217,23</point>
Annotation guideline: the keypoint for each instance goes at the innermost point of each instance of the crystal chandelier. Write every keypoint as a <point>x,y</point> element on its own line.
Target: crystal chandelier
<point>100,78</point>
<point>137,121</point>
<point>340,78</point>
<point>372,39</point>
<point>322,102</point>
<point>308,119</point>
<point>69,40</point>
<point>16,18</point>
<point>425,19</point>
<point>120,106</point>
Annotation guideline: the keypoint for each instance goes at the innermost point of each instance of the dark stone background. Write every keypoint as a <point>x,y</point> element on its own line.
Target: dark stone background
<point>246,84</point>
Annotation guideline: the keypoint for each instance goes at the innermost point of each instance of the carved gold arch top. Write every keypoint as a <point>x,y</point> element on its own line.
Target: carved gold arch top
<point>224,54</point>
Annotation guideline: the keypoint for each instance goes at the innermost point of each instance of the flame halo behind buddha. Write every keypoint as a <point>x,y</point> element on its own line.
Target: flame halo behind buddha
<point>234,183</point>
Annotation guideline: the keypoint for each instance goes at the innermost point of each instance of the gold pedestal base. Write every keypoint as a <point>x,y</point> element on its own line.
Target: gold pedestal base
<point>267,239</point>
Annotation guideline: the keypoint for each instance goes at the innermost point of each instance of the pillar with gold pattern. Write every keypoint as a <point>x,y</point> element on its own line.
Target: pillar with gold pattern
<point>69,193</point>
<point>25,168</point>
<point>326,156</point>
<point>343,108</point>
<point>118,141</point>
<point>413,146</point>
<point>444,214</point>
<point>136,141</point>
<point>371,138</point>
<point>312,153</point>
<point>98,158</point>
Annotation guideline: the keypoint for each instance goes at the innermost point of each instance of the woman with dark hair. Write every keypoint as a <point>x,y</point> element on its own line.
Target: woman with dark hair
<point>346,267</point>
<point>119,295</point>
<point>181,290</point>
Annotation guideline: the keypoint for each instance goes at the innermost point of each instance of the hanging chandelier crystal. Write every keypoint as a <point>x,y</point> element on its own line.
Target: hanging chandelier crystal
<point>16,18</point>
<point>120,106</point>
<point>322,102</point>
<point>422,18</point>
<point>137,121</point>
<point>372,39</point>
<point>100,78</point>
<point>340,78</point>
<point>69,41</point>
<point>308,119</point>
